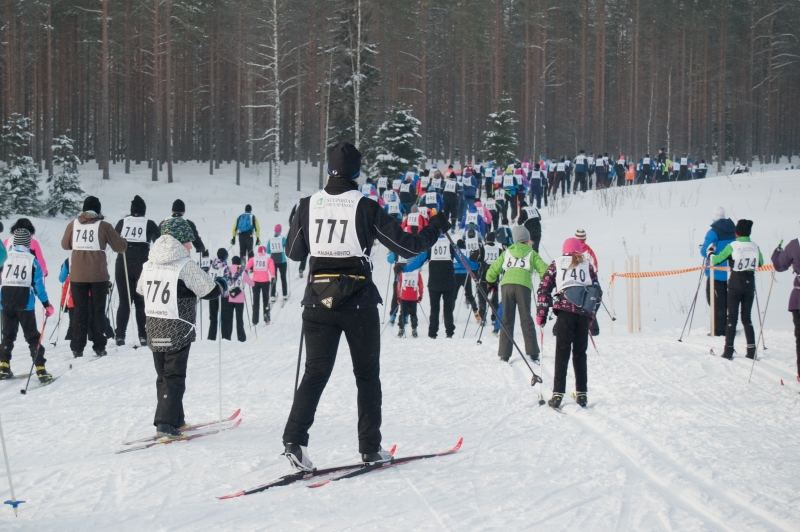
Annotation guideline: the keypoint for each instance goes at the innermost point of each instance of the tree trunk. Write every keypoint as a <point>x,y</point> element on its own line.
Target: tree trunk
<point>103,141</point>
<point>168,89</point>
<point>277,106</point>
<point>155,116</point>
<point>48,97</point>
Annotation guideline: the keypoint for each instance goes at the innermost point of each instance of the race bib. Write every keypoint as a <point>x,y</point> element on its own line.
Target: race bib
<point>382,182</point>
<point>498,179</point>
<point>424,182</point>
<point>532,212</point>
<point>702,166</point>
<point>423,211</point>
<point>413,219</point>
<point>161,288</point>
<point>85,237</point>
<point>472,218</point>
<point>260,263</point>
<point>18,270</point>
<point>134,229</point>
<point>499,194</point>
<point>472,244</point>
<point>508,180</point>
<point>410,280</point>
<point>560,167</point>
<point>396,184</point>
<point>580,159</point>
<point>394,207</point>
<point>513,262</point>
<point>441,250</point>
<point>332,225</point>
<point>276,244</point>
<point>205,262</point>
<point>745,256</point>
<point>437,183</point>
<point>431,199</point>
<point>490,253</point>
<point>566,277</point>
<point>366,188</point>
<point>388,196</point>
<point>684,161</point>
<point>405,187</point>
<point>490,204</point>
<point>450,186</point>
<point>646,160</point>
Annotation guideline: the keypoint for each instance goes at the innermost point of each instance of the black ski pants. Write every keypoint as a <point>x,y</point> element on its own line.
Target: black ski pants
<point>80,316</point>
<point>450,207</point>
<point>720,305</point>
<point>580,182</point>
<point>446,299</point>
<point>12,321</point>
<point>741,293</point>
<point>170,385</point>
<point>395,304</point>
<point>495,220</point>
<point>572,334</point>
<point>213,317</point>
<point>323,329</point>
<point>124,311</point>
<point>228,310</point>
<point>482,301</point>
<point>245,245</point>
<point>517,296</point>
<point>463,279</point>
<point>280,268</point>
<point>260,290</point>
<point>408,308</point>
<point>796,321</point>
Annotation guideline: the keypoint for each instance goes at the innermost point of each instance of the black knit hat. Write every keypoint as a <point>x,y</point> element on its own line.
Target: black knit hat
<point>248,208</point>
<point>91,204</point>
<point>222,254</point>
<point>490,236</point>
<point>23,223</point>
<point>178,206</point>
<point>744,227</point>
<point>22,237</point>
<point>138,206</point>
<point>236,260</point>
<point>344,160</point>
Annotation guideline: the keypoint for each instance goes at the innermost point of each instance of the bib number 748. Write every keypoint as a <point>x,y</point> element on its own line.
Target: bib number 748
<point>154,286</point>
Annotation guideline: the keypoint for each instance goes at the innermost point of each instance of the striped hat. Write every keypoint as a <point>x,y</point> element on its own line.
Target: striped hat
<point>22,237</point>
<point>580,234</point>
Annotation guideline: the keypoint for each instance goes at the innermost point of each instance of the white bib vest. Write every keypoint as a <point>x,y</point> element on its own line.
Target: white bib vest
<point>382,182</point>
<point>276,244</point>
<point>18,270</point>
<point>260,263</point>
<point>388,195</point>
<point>394,207</point>
<point>430,198</point>
<point>332,224</point>
<point>405,187</point>
<point>745,256</point>
<point>85,237</point>
<point>508,180</point>
<point>472,218</point>
<point>532,212</point>
<point>450,185</point>
<point>490,253</point>
<point>205,262</point>
<point>413,219</point>
<point>646,160</point>
<point>499,194</point>
<point>134,229</point>
<point>498,178</point>
<point>437,183</point>
<point>441,250</point>
<point>490,204</point>
<point>472,243</point>
<point>161,288</point>
<point>566,277</point>
<point>396,184</point>
<point>560,167</point>
<point>423,211</point>
<point>424,182</point>
<point>410,279</point>
<point>684,161</point>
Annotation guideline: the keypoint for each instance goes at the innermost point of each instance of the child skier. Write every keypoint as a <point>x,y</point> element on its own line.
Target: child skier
<point>782,259</point>
<point>277,245</point>
<point>263,269</point>
<point>517,264</point>
<point>409,292</point>
<point>22,279</point>
<point>568,271</point>
<point>234,302</point>
<point>219,268</point>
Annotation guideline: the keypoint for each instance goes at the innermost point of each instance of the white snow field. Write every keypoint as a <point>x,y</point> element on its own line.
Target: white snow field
<point>691,445</point>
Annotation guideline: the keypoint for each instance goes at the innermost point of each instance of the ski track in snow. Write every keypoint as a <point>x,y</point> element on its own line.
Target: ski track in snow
<point>692,446</point>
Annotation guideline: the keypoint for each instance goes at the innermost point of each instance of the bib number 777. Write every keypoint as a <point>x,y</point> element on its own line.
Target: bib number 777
<point>320,222</point>
<point>154,286</point>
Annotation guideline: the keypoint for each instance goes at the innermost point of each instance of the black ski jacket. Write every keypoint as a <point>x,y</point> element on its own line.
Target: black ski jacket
<point>372,222</point>
<point>139,250</point>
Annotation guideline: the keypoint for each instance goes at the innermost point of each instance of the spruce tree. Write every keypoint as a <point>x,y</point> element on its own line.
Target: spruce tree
<point>19,182</point>
<point>393,144</point>
<point>501,140</point>
<point>65,188</point>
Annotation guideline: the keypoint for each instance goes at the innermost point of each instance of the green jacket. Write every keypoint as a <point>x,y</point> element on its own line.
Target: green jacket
<point>516,275</point>
<point>726,253</point>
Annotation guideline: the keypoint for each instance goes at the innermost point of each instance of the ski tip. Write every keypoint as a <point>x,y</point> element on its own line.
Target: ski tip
<point>235,414</point>
<point>320,484</point>
<point>236,424</point>
<point>458,445</point>
<point>232,495</point>
<point>782,382</point>
<point>393,449</point>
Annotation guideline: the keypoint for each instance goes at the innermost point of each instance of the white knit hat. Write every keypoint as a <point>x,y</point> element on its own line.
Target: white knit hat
<point>717,214</point>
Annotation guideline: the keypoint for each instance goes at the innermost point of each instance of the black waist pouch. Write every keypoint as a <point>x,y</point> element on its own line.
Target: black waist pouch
<point>333,290</point>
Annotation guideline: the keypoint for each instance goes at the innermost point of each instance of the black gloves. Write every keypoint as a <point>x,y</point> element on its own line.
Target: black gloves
<point>440,223</point>
<point>233,241</point>
<point>258,241</point>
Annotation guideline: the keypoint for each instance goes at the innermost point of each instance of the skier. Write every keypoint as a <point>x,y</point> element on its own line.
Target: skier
<point>601,172</point>
<point>139,232</point>
<point>517,265</point>
<point>581,170</point>
<point>510,189</point>
<point>683,168</point>
<point>538,182</point>
<point>572,325</point>
<point>782,259</point>
<point>473,217</point>
<point>561,178</point>
<point>620,169</point>
<point>471,189</point>
<point>87,238</point>
<point>490,206</point>
<point>485,213</point>
<point>743,257</point>
<point>219,268</point>
<point>441,287</point>
<point>22,279</point>
<point>491,252</point>
<point>462,276</point>
<point>171,283</point>
<point>394,208</point>
<point>702,170</point>
<point>409,292</point>
<point>529,217</point>
<point>277,245</point>
<point>645,169</point>
<point>721,234</point>
<point>233,302</point>
<point>263,268</point>
<point>178,210</point>
<point>36,249</point>
<point>451,197</point>
<point>245,226</point>
<point>341,297</point>
<point>383,184</point>
<point>407,192</point>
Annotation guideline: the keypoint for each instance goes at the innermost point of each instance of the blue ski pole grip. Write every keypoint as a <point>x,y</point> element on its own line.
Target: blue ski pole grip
<point>14,504</point>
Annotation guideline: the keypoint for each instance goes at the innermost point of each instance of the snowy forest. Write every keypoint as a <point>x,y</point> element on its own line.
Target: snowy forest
<point>254,81</point>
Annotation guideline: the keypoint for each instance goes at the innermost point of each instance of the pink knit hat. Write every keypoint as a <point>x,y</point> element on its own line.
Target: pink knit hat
<point>571,245</point>
<point>278,228</point>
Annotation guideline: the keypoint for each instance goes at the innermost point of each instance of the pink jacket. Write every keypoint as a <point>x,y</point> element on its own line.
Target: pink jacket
<point>36,249</point>
<point>261,276</point>
<point>245,278</point>
<point>485,213</point>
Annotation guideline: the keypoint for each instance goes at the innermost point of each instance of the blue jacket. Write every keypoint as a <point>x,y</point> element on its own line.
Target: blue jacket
<point>64,273</point>
<point>470,185</point>
<point>722,233</point>
<point>3,255</point>
<point>398,216</point>
<point>481,224</point>
<point>582,167</point>
<point>512,190</point>
<point>458,266</point>
<point>38,282</point>
<point>439,200</point>
<point>414,264</point>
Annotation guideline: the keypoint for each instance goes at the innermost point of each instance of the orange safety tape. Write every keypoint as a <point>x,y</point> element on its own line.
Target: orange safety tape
<point>664,273</point>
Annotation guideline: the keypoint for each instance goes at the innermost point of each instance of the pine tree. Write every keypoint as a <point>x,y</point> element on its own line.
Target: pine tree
<point>65,188</point>
<point>501,141</point>
<point>393,144</point>
<point>19,182</point>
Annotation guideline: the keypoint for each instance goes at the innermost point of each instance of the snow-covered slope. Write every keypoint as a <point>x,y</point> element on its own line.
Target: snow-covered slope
<point>691,446</point>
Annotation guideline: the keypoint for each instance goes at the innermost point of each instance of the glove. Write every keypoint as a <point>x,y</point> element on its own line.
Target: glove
<point>710,251</point>
<point>780,246</point>
<point>440,223</point>
<point>492,286</point>
<point>49,309</point>
<point>258,241</point>
<point>233,241</point>
<point>222,282</point>
<point>419,300</point>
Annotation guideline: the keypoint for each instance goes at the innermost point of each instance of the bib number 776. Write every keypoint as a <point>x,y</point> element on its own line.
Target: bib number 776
<point>154,286</point>
<point>320,222</point>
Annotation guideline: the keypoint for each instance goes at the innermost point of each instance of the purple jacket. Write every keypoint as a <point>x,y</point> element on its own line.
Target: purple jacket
<point>790,256</point>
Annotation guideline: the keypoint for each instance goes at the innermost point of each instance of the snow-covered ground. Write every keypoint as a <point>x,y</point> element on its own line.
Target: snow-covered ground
<point>691,446</point>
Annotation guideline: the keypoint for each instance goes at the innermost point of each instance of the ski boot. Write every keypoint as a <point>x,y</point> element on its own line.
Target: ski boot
<point>143,341</point>
<point>100,352</point>
<point>5,371</point>
<point>120,340</point>
<point>285,299</point>
<point>581,399</point>
<point>751,352</point>
<point>477,315</point>
<point>555,401</point>
<point>301,274</point>
<point>727,353</point>
<point>535,358</point>
<point>298,457</point>
<point>381,457</point>
<point>401,333</point>
<point>43,375</point>
<point>495,333</point>
<point>273,299</point>
<point>449,336</point>
<point>391,319</point>
<point>414,333</point>
<point>165,430</point>
<point>77,354</point>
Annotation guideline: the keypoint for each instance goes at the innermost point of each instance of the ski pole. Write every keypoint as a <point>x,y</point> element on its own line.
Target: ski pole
<point>13,502</point>
<point>247,308</point>
<point>386,298</point>
<point>604,368</point>
<point>36,353</point>
<point>61,314</point>
<point>534,377</point>
<point>422,309</point>
<point>463,294</point>
<point>766,306</point>
<point>128,287</point>
<point>480,333</point>
<point>694,301</point>
<point>760,321</point>
<point>607,311</point>
<point>299,357</point>
<point>541,360</point>
<point>219,351</point>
